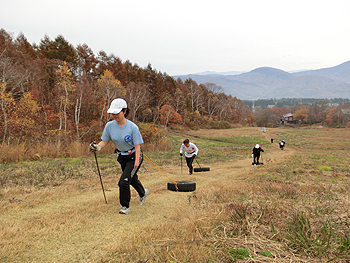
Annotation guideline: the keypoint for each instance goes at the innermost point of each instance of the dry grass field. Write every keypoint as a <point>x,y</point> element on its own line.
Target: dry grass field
<point>294,208</point>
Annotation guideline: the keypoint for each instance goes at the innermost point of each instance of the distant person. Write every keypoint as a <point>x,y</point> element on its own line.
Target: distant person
<point>127,138</point>
<point>282,144</point>
<point>256,153</point>
<point>191,151</point>
<point>271,140</point>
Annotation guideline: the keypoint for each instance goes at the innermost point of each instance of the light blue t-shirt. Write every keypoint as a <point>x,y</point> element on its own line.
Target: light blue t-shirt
<point>125,137</point>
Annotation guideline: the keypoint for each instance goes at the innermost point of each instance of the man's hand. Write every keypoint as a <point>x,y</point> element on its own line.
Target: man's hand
<point>94,147</point>
<point>180,154</point>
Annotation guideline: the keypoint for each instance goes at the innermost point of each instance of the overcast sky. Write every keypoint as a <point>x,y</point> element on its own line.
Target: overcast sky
<point>183,37</point>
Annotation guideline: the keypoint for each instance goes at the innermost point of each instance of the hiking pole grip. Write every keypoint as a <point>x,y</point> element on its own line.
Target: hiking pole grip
<point>99,174</point>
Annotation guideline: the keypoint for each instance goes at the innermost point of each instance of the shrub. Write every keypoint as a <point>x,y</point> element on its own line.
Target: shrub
<point>154,137</point>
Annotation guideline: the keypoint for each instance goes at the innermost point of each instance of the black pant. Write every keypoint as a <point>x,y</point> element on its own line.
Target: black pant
<point>256,158</point>
<point>189,162</point>
<point>127,164</point>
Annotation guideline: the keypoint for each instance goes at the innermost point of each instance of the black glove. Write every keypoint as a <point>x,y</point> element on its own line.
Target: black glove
<point>94,147</point>
<point>180,154</point>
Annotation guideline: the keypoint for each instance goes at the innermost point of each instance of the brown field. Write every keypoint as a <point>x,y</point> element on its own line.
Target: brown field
<point>237,213</point>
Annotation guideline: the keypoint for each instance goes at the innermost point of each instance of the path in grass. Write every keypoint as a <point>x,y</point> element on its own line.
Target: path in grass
<point>71,222</point>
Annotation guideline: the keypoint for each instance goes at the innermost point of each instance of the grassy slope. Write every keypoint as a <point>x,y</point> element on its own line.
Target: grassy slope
<point>294,208</point>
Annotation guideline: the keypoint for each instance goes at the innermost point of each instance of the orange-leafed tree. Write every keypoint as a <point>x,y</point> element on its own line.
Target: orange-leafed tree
<point>336,117</point>
<point>301,114</point>
<point>168,115</point>
<point>24,118</point>
<point>87,62</point>
<point>331,116</point>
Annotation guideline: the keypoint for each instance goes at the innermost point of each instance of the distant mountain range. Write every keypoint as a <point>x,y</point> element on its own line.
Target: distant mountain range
<point>266,83</point>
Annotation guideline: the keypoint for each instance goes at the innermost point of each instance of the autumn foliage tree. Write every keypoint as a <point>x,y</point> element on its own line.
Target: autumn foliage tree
<point>169,116</point>
<point>333,117</point>
<point>65,86</point>
<point>70,88</point>
<point>7,105</point>
<point>24,118</point>
<point>54,89</point>
<point>301,114</point>
<point>108,89</point>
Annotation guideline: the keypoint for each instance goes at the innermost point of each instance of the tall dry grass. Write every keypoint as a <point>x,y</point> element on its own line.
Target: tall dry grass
<point>70,149</point>
<point>210,229</point>
<point>24,152</point>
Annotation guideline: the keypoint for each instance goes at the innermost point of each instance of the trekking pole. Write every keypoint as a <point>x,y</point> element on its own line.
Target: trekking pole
<point>181,163</point>
<point>197,162</point>
<point>98,170</point>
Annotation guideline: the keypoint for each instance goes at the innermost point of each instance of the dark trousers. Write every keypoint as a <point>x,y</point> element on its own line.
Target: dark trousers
<point>256,158</point>
<point>189,162</point>
<point>127,164</point>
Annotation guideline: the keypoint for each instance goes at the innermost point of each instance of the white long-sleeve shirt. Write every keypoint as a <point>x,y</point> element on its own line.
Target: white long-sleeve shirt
<point>190,150</point>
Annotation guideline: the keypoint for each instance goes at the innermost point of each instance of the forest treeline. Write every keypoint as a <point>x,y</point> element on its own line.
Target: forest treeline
<point>53,91</point>
<point>288,102</point>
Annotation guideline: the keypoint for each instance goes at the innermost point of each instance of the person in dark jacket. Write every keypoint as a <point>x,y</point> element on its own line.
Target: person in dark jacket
<point>282,144</point>
<point>256,153</point>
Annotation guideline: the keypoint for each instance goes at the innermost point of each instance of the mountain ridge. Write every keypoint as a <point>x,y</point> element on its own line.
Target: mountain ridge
<point>268,82</point>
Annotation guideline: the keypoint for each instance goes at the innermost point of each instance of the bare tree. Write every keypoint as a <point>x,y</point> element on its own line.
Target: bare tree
<point>65,85</point>
<point>161,101</point>
<point>137,97</point>
<point>179,100</point>
<point>6,101</point>
<point>212,98</point>
<point>195,94</point>
<point>15,76</point>
<point>77,111</point>
<point>110,88</point>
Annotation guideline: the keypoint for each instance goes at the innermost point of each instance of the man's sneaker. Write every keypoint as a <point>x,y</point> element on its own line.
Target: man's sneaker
<point>124,210</point>
<point>142,200</point>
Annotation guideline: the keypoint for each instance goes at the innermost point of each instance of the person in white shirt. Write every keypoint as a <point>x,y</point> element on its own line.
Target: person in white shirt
<point>191,151</point>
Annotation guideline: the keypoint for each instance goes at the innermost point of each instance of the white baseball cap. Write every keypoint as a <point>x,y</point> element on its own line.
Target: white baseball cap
<point>116,106</point>
<point>257,146</point>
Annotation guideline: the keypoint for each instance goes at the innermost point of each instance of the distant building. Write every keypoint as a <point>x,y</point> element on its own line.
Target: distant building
<point>271,106</point>
<point>345,111</point>
<point>288,119</point>
<point>333,105</point>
